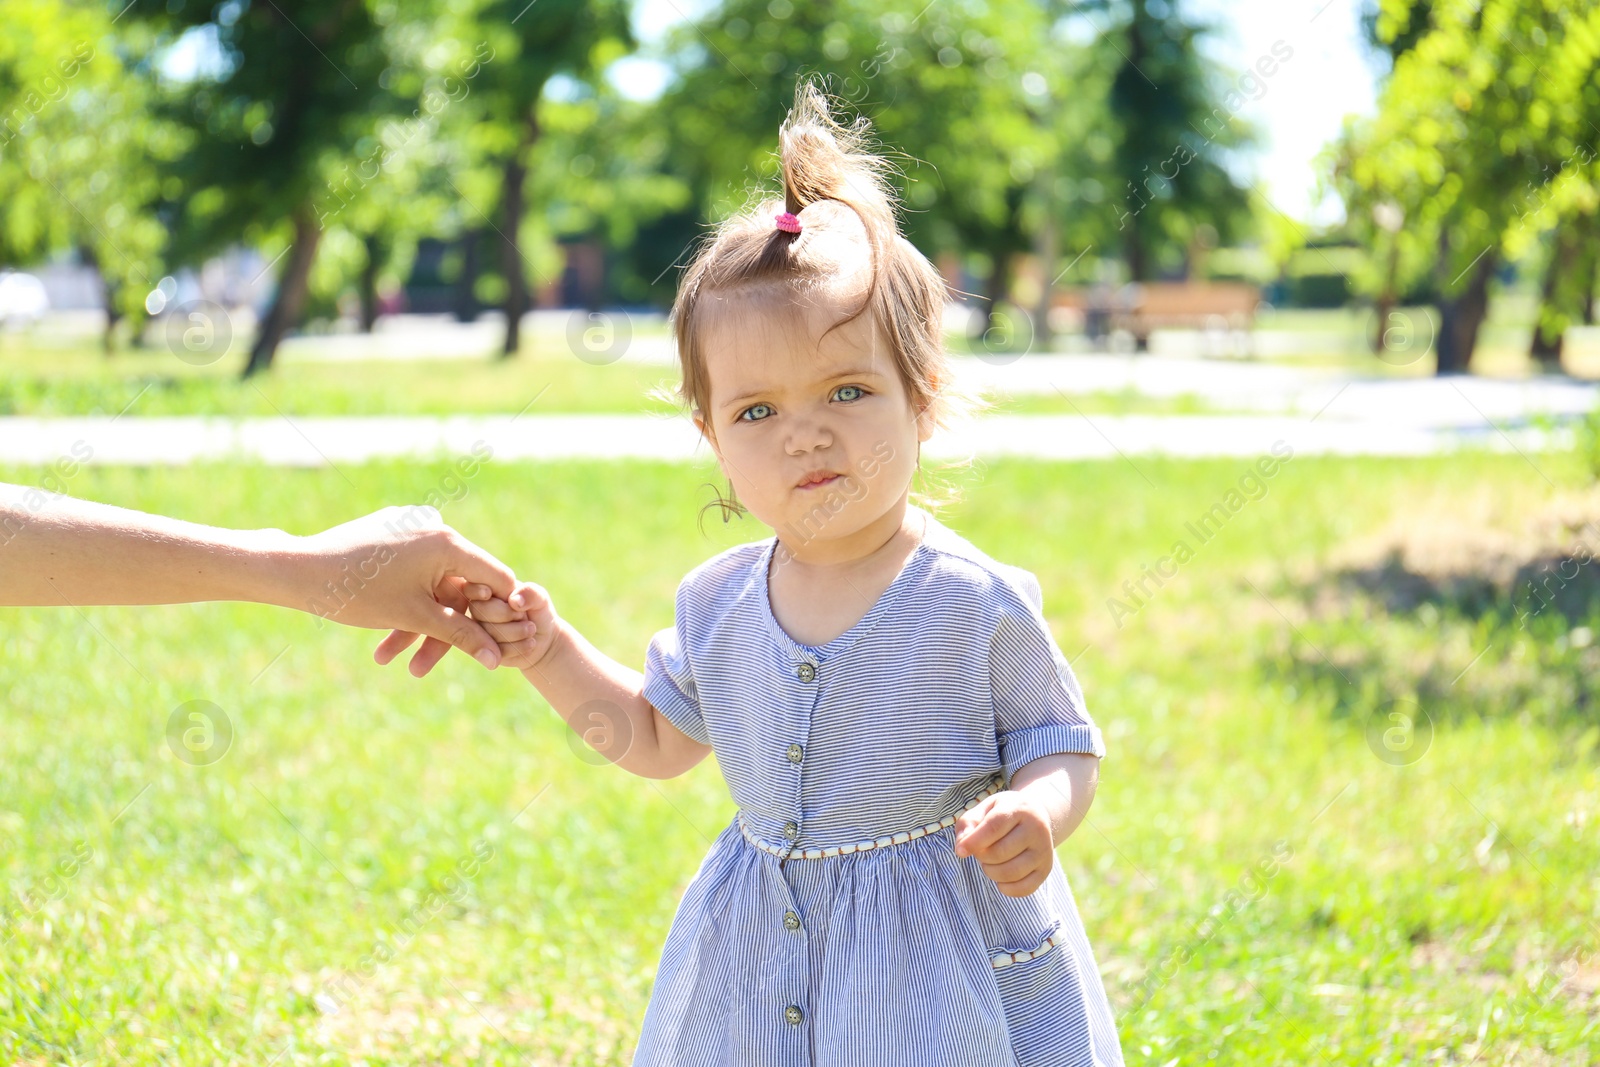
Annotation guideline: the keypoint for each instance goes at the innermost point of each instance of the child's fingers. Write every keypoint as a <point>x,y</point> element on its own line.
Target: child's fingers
<point>477,591</point>
<point>494,611</point>
<point>529,597</point>
<point>977,828</point>
<point>1010,869</point>
<point>518,650</point>
<point>1013,842</point>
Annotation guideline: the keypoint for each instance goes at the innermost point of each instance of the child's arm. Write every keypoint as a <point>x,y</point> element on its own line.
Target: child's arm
<point>601,699</point>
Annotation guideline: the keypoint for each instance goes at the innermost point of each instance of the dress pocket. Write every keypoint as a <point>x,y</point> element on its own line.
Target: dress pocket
<point>1002,959</point>
<point>1038,982</point>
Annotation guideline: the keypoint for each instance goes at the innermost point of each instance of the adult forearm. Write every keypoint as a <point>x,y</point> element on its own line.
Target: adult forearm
<point>399,568</point>
<point>602,700</point>
<point>70,551</point>
<point>1065,784</point>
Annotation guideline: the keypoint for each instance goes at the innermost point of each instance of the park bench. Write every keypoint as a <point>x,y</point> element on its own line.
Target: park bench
<point>1140,307</point>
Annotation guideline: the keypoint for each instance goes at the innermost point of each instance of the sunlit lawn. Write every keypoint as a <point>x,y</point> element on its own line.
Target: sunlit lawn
<point>399,871</point>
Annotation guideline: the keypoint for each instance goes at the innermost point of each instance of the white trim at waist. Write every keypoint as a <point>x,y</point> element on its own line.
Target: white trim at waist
<point>900,838</point>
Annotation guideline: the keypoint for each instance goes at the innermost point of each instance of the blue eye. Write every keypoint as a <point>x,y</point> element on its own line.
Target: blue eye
<point>745,414</point>
<point>860,392</point>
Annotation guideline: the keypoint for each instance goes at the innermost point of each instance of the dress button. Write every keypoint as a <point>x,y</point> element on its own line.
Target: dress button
<point>791,921</point>
<point>805,672</point>
<point>796,753</point>
<point>791,830</point>
<point>793,1014</point>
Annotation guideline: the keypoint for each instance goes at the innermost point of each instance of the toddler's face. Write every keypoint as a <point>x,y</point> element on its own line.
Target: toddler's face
<point>786,409</point>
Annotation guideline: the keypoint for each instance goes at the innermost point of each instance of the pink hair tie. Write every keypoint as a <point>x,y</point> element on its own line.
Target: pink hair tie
<point>788,222</point>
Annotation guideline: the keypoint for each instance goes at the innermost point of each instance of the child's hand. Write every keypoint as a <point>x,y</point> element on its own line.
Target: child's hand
<point>1009,833</point>
<point>524,627</point>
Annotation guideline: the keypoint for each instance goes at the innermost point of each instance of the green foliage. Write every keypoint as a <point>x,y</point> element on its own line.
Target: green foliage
<point>1175,117</point>
<point>78,140</point>
<point>1483,140</point>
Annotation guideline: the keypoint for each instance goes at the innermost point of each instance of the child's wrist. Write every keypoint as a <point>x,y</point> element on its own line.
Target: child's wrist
<point>559,639</point>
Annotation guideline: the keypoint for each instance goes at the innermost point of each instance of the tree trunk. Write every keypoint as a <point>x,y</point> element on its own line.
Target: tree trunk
<point>1461,315</point>
<point>1545,348</point>
<point>108,294</point>
<point>1049,251</point>
<point>1590,275</point>
<point>108,338</point>
<point>1386,301</point>
<point>998,291</point>
<point>466,296</point>
<point>511,264</point>
<point>291,295</point>
<point>369,281</point>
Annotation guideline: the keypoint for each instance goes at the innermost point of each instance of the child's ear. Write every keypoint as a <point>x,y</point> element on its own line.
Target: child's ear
<point>705,431</point>
<point>924,420</point>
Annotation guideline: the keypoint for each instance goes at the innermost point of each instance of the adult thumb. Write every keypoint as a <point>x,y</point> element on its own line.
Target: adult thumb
<point>466,560</point>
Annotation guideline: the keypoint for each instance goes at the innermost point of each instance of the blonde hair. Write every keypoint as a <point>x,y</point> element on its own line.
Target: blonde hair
<point>839,188</point>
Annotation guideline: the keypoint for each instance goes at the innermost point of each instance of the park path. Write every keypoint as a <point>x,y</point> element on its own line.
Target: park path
<point>296,441</point>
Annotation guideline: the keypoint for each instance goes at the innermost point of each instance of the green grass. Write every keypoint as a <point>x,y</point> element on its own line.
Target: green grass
<point>1397,914</point>
<point>77,379</point>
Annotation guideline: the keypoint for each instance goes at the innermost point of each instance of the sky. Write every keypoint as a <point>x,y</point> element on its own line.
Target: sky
<point>1298,109</point>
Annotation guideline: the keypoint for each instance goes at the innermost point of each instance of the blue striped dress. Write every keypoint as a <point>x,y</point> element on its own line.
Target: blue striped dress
<point>831,922</point>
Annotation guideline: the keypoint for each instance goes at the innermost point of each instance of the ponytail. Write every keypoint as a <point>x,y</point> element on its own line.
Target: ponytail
<point>836,184</point>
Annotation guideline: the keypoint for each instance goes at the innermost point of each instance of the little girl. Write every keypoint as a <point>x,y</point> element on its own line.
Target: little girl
<point>905,741</point>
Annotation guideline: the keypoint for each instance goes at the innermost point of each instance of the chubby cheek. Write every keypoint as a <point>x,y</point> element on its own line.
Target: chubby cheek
<point>886,465</point>
<point>755,472</point>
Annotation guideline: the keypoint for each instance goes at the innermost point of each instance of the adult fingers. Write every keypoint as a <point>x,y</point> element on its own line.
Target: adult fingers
<point>390,647</point>
<point>428,655</point>
<point>468,561</point>
<point>450,628</point>
<point>505,632</point>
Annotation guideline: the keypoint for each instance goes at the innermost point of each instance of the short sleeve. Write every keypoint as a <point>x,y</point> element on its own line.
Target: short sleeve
<point>668,678</point>
<point>1038,705</point>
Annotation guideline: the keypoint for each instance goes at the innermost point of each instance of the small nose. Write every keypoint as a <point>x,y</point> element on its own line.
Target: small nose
<point>807,434</point>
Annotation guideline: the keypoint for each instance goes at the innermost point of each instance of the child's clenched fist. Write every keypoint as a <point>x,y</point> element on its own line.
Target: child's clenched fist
<point>1009,833</point>
<point>524,627</point>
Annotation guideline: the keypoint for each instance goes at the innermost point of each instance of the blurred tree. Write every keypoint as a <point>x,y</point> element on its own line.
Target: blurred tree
<point>1482,142</point>
<point>944,83</point>
<point>296,90</point>
<point>1174,117</point>
<point>533,42</point>
<point>397,185</point>
<point>78,148</point>
<point>607,171</point>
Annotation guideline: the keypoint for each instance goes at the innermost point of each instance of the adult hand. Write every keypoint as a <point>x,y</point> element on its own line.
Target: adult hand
<point>404,569</point>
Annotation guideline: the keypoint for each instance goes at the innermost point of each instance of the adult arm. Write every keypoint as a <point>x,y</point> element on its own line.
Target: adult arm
<point>400,568</point>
